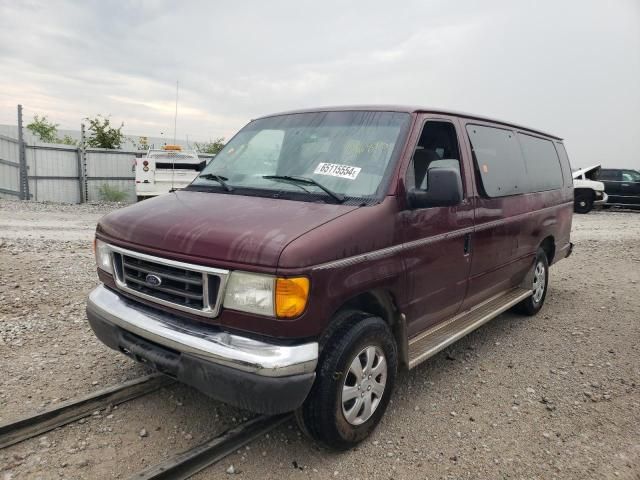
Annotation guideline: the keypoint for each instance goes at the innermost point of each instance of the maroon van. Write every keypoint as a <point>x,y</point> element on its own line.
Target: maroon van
<point>321,250</point>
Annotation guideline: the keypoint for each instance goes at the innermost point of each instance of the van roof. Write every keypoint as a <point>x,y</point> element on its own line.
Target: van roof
<point>413,109</point>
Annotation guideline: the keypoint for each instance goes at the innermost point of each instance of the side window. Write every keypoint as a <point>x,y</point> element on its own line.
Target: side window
<point>611,175</point>
<point>498,160</point>
<point>630,176</point>
<point>437,147</point>
<point>566,166</point>
<point>542,163</point>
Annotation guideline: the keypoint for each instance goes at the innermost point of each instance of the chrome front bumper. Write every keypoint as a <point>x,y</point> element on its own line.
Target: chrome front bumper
<point>201,341</point>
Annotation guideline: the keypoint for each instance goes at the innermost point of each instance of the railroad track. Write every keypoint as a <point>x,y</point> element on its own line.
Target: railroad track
<point>189,462</point>
<point>179,466</point>
<point>66,412</point>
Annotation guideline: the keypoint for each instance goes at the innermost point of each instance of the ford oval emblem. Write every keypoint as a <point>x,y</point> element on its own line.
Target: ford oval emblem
<point>153,280</point>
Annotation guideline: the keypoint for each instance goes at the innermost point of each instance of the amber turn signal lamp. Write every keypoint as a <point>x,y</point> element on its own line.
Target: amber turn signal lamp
<point>291,296</point>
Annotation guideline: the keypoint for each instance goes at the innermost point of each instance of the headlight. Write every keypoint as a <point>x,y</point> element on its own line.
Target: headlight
<point>266,295</point>
<point>103,256</point>
<point>250,292</point>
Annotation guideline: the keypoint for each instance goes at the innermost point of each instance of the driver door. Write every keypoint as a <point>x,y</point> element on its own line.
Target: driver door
<point>437,239</point>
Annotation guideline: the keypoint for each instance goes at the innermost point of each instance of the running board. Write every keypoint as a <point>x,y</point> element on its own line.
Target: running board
<point>440,336</point>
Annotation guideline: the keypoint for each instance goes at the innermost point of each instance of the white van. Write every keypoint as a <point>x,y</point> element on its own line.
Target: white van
<point>165,170</point>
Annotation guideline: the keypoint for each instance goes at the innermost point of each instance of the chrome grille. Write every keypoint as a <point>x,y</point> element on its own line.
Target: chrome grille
<point>183,286</point>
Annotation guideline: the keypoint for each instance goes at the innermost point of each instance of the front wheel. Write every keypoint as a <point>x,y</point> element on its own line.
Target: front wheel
<point>583,202</point>
<point>539,283</point>
<point>354,381</point>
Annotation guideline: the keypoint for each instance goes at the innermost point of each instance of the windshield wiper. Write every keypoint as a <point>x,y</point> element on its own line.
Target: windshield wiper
<point>338,197</point>
<point>218,178</point>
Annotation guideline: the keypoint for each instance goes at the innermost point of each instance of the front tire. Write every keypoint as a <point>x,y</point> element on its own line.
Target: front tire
<point>539,284</point>
<point>355,379</point>
<point>583,202</point>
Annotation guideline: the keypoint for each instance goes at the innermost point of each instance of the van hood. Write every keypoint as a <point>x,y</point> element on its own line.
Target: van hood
<point>218,229</point>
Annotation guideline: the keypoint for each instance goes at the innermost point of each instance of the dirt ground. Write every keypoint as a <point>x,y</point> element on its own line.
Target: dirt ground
<point>552,396</point>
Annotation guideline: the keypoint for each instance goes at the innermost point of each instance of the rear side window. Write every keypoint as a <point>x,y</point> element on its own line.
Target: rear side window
<point>542,163</point>
<point>564,161</point>
<point>611,175</point>
<point>498,160</point>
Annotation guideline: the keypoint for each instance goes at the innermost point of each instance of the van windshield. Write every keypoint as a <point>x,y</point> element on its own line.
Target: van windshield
<point>348,153</point>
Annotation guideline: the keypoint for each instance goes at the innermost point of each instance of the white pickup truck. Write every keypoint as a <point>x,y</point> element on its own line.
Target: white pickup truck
<point>165,170</point>
<point>586,191</point>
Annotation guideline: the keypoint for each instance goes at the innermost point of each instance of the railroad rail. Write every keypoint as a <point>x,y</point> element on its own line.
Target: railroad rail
<point>179,466</point>
<point>184,465</point>
<point>27,427</point>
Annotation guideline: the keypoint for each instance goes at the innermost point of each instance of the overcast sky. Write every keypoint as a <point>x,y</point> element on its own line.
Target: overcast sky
<point>568,67</point>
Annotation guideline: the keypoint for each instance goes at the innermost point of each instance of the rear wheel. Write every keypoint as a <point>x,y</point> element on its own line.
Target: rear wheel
<point>539,283</point>
<point>583,202</point>
<point>354,381</point>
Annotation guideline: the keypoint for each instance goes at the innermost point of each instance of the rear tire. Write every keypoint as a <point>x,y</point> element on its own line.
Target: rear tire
<point>539,284</point>
<point>583,202</point>
<point>354,381</point>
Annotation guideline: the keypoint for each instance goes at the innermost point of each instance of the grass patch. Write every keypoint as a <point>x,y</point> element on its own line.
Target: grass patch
<point>111,194</point>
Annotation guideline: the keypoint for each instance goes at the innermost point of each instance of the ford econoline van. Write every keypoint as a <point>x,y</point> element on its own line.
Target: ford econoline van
<point>322,250</point>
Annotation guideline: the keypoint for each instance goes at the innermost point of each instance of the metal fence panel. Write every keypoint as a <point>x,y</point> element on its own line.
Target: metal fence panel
<point>59,190</point>
<point>109,169</point>
<point>52,161</point>
<point>53,173</point>
<point>9,168</point>
<point>111,163</point>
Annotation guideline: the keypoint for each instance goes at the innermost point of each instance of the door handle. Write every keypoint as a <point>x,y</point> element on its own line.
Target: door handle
<point>467,243</point>
<point>625,184</point>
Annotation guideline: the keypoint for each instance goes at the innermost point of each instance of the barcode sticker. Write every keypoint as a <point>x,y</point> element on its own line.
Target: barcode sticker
<point>336,170</point>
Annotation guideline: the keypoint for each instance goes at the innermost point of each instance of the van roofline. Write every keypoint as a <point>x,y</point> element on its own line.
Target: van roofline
<point>411,109</point>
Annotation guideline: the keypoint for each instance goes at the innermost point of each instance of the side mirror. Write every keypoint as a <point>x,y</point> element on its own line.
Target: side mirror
<point>444,189</point>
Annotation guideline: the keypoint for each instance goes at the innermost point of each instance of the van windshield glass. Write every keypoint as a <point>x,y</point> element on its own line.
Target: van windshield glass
<point>348,153</point>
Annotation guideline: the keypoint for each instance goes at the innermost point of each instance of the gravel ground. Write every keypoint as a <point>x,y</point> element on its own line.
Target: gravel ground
<point>552,396</point>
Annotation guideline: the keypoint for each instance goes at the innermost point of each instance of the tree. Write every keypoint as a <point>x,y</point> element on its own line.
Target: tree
<point>47,132</point>
<point>43,129</point>
<point>211,146</point>
<point>103,135</point>
<point>66,140</point>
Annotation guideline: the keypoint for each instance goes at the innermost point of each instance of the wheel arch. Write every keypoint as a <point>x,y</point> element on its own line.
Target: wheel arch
<point>584,190</point>
<point>548,244</point>
<point>380,303</point>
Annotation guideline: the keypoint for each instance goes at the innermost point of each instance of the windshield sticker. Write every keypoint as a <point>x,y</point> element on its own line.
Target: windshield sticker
<point>336,170</point>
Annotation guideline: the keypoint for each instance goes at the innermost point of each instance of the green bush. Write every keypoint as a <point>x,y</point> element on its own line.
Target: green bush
<point>111,194</point>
